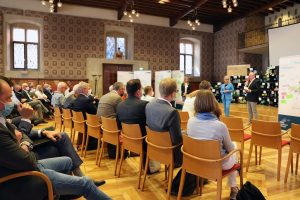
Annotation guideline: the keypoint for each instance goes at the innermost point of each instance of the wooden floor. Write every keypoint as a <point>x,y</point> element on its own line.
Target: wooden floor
<point>264,176</point>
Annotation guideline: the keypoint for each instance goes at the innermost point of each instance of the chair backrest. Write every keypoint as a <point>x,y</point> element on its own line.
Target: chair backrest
<point>67,117</point>
<point>266,134</point>
<point>235,127</point>
<point>203,149</point>
<point>110,130</point>
<point>132,137</point>
<point>295,140</point>
<point>159,146</point>
<point>57,117</point>
<point>93,126</point>
<point>184,117</point>
<point>78,121</point>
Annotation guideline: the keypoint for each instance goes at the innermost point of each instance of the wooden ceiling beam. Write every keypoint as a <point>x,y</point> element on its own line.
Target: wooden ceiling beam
<point>122,9</point>
<point>197,4</point>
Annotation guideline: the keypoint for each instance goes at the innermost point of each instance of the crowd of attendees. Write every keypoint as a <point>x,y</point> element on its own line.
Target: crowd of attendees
<point>58,158</point>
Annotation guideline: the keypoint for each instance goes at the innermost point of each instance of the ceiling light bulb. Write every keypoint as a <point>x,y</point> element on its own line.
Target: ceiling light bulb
<point>133,11</point>
<point>59,4</point>
<point>51,5</point>
<point>197,21</point>
<point>161,2</point>
<point>131,20</point>
<point>129,16</point>
<point>51,1</point>
<point>191,24</point>
<point>193,28</point>
<point>189,21</point>
<point>234,1</point>
<point>51,10</point>
<point>224,5</point>
<point>229,9</point>
<point>235,4</point>
<point>43,2</point>
<point>137,14</point>
<point>125,12</point>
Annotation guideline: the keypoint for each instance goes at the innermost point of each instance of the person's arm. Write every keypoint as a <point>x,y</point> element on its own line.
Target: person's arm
<point>222,89</point>
<point>175,129</point>
<point>62,100</point>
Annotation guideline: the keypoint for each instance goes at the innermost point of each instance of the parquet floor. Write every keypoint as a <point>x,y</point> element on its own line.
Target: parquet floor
<point>263,176</point>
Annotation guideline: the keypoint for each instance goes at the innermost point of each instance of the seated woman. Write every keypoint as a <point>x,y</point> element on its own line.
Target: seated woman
<point>148,94</point>
<point>206,126</point>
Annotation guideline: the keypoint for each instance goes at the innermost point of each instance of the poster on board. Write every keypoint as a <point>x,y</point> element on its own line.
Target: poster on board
<point>124,76</point>
<point>144,76</point>
<point>237,70</point>
<point>179,77</point>
<point>289,91</point>
<point>159,75</point>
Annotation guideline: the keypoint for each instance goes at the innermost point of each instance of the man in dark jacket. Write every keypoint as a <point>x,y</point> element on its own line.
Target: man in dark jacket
<point>252,89</point>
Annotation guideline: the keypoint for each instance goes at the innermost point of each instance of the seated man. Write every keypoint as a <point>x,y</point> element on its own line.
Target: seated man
<point>70,98</point>
<point>58,98</point>
<point>16,156</point>
<point>161,116</point>
<point>47,91</point>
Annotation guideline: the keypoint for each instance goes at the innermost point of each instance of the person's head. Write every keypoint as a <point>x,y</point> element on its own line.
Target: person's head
<point>25,86</point>
<point>204,85</point>
<point>119,88</point>
<point>6,104</point>
<point>39,88</point>
<point>186,79</point>
<point>168,88</point>
<point>17,87</point>
<point>75,90</point>
<point>47,86</point>
<point>251,76</point>
<point>148,90</point>
<point>226,79</point>
<point>62,87</point>
<point>84,88</point>
<point>206,103</point>
<point>31,85</point>
<point>134,88</point>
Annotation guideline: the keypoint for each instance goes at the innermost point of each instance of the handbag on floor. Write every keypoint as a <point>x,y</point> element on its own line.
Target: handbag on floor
<point>188,187</point>
<point>249,192</point>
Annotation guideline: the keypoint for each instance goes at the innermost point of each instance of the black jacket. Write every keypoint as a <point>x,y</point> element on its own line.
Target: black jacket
<point>188,90</point>
<point>85,105</point>
<point>255,91</point>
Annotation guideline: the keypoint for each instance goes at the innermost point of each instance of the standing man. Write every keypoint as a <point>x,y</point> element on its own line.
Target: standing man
<point>185,88</point>
<point>252,90</point>
<point>226,92</point>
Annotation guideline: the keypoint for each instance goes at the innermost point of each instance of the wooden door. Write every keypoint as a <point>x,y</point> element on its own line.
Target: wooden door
<point>110,74</point>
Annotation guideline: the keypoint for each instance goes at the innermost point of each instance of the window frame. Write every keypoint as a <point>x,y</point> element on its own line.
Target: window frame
<point>116,35</point>
<point>25,26</point>
<point>183,41</point>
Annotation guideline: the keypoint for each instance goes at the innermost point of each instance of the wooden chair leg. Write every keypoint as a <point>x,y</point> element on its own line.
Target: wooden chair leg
<point>219,189</point>
<point>170,177</point>
<point>292,164</point>
<point>117,158</point>
<point>166,172</point>
<point>249,156</point>
<point>101,153</point>
<point>255,155</point>
<point>197,185</point>
<point>260,150</point>
<point>297,159</point>
<point>279,164</point>
<point>121,161</point>
<point>288,165</point>
<point>145,172</point>
<point>86,143</point>
<point>82,144</point>
<point>140,168</point>
<point>98,150</point>
<point>242,147</point>
<point>182,178</point>
<point>201,186</point>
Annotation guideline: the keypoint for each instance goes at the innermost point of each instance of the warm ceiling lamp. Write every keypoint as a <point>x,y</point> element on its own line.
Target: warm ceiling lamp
<point>228,4</point>
<point>194,23</point>
<point>51,4</point>
<point>132,12</point>
<point>163,1</point>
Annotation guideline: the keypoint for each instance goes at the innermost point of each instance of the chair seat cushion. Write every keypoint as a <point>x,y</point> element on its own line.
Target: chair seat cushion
<point>235,167</point>
<point>284,142</point>
<point>247,137</point>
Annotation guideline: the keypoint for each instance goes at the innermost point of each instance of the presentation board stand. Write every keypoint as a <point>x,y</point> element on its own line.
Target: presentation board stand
<point>159,75</point>
<point>179,77</point>
<point>289,91</point>
<point>124,76</point>
<point>144,76</point>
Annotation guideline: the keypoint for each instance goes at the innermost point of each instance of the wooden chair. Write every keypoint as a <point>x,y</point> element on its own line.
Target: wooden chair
<point>58,119</point>
<point>67,119</point>
<point>132,141</point>
<point>31,173</point>
<point>93,130</point>
<point>294,148</point>
<point>110,134</point>
<point>203,159</point>
<point>159,148</point>
<point>79,127</point>
<point>236,130</point>
<point>267,134</point>
<point>184,117</point>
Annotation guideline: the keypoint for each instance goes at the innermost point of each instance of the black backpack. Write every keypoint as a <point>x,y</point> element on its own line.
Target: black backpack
<point>249,192</point>
<point>188,187</point>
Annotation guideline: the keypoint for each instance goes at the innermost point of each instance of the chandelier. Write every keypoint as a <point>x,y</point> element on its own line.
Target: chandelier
<point>131,11</point>
<point>51,4</point>
<point>194,22</point>
<point>228,4</point>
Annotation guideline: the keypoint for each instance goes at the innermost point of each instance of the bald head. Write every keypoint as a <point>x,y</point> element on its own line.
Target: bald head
<point>5,94</point>
<point>61,87</point>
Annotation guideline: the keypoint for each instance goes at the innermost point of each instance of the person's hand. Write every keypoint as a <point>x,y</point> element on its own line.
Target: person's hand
<point>25,147</point>
<point>25,110</point>
<point>225,91</point>
<point>18,136</point>
<point>23,100</point>
<point>52,135</point>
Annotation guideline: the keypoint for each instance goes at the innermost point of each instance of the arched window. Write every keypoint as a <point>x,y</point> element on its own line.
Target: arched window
<point>24,46</point>
<point>186,56</point>
<point>115,40</point>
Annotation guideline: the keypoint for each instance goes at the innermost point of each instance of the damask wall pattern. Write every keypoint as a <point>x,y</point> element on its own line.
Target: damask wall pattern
<point>69,40</point>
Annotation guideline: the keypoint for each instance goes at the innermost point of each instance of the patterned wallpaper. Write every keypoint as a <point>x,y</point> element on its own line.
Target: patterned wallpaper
<point>69,40</point>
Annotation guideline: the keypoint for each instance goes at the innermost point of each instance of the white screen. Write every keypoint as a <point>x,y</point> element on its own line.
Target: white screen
<point>283,41</point>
